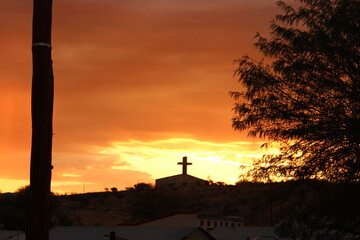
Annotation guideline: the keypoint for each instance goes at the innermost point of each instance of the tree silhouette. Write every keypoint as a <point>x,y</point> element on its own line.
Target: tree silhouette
<point>305,95</point>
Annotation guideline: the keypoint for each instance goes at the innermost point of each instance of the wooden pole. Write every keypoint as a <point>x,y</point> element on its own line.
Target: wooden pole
<point>42,96</point>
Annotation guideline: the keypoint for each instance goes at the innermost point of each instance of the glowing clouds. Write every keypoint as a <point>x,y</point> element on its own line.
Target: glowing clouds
<point>219,161</point>
<point>125,163</point>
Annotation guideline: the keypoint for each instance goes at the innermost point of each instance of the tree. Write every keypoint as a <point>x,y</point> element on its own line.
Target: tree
<point>305,94</point>
<point>25,190</point>
<point>140,187</point>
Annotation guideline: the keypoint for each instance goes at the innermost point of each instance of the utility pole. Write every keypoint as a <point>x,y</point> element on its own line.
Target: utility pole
<point>42,97</point>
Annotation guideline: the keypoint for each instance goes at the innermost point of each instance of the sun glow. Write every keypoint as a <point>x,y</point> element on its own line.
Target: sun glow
<point>70,175</point>
<point>11,185</point>
<point>219,161</point>
<point>125,163</point>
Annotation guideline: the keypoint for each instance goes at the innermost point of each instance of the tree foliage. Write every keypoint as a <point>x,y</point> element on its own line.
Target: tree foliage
<point>305,94</point>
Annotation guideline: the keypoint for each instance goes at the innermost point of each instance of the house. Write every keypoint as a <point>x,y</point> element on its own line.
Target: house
<point>181,180</point>
<point>12,235</point>
<point>174,220</point>
<point>210,222</point>
<point>129,233</point>
<point>206,222</point>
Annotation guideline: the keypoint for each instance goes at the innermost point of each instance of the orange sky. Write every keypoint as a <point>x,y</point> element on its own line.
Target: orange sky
<point>138,85</point>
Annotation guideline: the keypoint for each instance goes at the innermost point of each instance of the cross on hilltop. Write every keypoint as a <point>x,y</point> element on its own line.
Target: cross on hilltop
<point>184,164</point>
<point>181,180</point>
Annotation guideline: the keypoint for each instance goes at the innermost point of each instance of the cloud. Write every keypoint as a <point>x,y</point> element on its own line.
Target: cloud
<point>139,67</point>
<point>124,163</point>
<point>134,69</point>
<point>210,158</point>
<point>98,180</point>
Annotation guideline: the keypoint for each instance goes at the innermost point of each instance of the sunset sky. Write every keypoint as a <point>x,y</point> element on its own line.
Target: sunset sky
<point>138,85</point>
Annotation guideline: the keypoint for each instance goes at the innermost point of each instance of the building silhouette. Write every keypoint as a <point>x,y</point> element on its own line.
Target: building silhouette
<point>181,180</point>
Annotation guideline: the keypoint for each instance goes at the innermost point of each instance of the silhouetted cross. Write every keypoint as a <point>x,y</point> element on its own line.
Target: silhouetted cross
<point>184,163</point>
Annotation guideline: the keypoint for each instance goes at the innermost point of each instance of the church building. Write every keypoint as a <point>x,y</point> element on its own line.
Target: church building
<point>181,180</point>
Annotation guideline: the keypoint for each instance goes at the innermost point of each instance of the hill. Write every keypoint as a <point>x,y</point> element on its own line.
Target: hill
<point>309,203</point>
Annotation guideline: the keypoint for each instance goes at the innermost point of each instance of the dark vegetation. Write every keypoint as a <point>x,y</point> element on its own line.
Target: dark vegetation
<point>13,209</point>
<point>304,96</point>
<point>308,206</point>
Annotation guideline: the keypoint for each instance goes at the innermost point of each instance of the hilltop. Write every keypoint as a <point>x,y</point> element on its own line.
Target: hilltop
<point>260,204</point>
